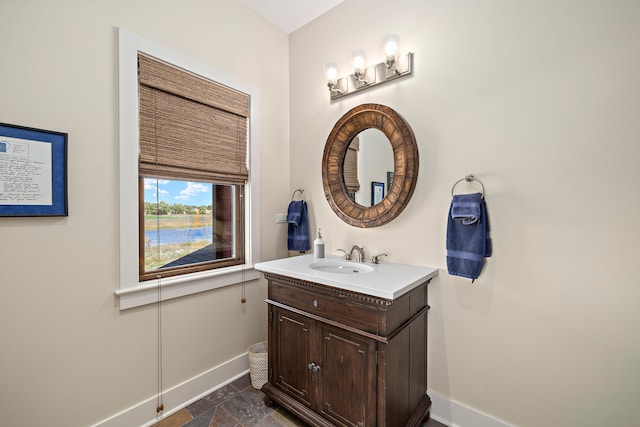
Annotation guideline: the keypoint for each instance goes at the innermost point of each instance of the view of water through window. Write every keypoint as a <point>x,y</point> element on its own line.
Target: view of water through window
<point>186,222</point>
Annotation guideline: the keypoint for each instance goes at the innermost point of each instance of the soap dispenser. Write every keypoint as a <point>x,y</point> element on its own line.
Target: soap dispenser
<point>318,246</point>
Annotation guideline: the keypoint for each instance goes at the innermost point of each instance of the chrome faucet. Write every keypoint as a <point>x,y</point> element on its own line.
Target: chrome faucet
<point>359,253</point>
<point>360,257</point>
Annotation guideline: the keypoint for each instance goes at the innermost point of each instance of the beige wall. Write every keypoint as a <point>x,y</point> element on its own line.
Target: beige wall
<point>68,356</point>
<point>541,101</point>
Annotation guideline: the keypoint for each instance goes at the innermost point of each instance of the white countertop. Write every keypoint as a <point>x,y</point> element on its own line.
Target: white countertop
<point>387,280</point>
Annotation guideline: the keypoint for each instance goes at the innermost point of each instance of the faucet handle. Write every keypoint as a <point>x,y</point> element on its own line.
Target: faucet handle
<point>347,257</point>
<point>375,259</point>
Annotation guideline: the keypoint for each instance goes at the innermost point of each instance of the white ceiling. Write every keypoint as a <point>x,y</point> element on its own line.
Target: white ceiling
<point>289,15</point>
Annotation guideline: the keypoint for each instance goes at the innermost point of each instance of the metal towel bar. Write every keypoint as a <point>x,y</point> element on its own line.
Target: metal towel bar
<point>301,190</point>
<point>468,178</point>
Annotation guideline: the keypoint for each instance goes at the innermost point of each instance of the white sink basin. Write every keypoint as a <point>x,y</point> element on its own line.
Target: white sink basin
<point>385,280</point>
<point>341,267</point>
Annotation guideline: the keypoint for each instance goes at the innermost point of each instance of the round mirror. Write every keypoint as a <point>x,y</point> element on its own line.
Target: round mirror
<point>389,190</point>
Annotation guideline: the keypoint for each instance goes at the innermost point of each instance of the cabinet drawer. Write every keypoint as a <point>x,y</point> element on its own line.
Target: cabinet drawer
<point>343,310</point>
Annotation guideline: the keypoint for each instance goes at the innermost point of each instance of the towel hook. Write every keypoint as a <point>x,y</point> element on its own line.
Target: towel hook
<point>301,190</point>
<point>468,178</point>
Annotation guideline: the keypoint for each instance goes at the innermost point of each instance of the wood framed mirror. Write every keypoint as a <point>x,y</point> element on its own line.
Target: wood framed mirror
<point>405,165</point>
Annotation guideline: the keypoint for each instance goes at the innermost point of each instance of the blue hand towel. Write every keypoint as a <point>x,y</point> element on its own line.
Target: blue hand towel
<point>466,207</point>
<point>298,233</point>
<point>468,241</point>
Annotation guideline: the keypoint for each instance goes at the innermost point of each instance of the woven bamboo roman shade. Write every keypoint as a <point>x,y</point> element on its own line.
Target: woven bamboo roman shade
<point>190,127</point>
<point>350,167</point>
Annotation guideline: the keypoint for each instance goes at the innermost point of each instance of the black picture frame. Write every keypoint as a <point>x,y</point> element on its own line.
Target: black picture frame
<point>377,192</point>
<point>33,172</point>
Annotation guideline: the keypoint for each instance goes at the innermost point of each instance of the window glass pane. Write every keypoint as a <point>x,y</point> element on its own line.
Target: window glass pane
<point>187,223</point>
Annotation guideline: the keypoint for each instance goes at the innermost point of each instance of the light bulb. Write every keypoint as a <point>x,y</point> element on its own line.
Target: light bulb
<point>358,61</point>
<point>331,73</point>
<point>390,48</point>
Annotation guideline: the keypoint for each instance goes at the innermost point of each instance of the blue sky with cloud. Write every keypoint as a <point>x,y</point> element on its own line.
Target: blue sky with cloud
<point>173,191</point>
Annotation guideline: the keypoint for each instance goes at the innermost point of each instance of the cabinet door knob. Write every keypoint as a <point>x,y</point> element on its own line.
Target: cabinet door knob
<point>313,367</point>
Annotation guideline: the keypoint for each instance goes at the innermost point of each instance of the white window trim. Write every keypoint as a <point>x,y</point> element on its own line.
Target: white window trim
<point>132,292</point>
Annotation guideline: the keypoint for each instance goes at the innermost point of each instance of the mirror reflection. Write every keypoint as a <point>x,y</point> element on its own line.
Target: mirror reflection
<point>368,167</point>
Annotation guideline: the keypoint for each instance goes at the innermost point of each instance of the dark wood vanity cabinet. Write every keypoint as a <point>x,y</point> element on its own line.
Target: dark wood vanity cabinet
<point>340,358</point>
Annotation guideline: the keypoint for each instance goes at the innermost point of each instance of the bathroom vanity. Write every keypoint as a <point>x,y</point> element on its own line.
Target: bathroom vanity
<point>348,341</point>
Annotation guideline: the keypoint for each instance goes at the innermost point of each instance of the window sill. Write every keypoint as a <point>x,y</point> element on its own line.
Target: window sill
<point>175,287</point>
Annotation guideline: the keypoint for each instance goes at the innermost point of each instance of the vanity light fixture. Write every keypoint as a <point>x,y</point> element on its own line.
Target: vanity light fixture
<point>359,63</point>
<point>390,49</point>
<point>331,73</point>
<point>394,66</point>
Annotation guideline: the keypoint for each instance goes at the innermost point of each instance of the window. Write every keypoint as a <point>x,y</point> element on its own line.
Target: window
<point>193,169</point>
<point>188,203</point>
<point>189,226</point>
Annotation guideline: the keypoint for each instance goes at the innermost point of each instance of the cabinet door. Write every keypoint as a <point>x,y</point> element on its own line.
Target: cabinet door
<point>347,382</point>
<point>293,335</point>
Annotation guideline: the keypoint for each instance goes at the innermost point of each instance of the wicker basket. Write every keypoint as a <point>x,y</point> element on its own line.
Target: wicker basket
<point>258,364</point>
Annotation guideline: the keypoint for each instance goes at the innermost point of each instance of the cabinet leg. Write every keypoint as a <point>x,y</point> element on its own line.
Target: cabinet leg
<point>270,403</point>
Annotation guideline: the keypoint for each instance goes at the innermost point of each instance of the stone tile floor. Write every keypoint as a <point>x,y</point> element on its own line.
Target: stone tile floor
<point>237,404</point>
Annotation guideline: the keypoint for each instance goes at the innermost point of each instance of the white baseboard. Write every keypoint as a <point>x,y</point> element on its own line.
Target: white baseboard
<point>443,409</point>
<point>455,414</point>
<point>180,395</point>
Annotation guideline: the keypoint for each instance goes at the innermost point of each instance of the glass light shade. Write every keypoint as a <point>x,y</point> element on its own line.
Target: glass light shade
<point>331,72</point>
<point>390,47</point>
<point>358,61</point>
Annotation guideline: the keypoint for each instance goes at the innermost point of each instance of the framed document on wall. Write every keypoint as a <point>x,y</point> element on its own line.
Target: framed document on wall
<point>33,172</point>
<point>377,192</point>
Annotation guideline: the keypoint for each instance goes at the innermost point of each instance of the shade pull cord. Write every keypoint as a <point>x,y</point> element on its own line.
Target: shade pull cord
<point>243,300</point>
<point>242,207</point>
<point>160,406</point>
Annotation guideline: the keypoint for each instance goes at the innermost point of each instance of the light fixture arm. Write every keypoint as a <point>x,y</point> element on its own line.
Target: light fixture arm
<point>358,76</point>
<point>391,65</point>
<point>332,89</point>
